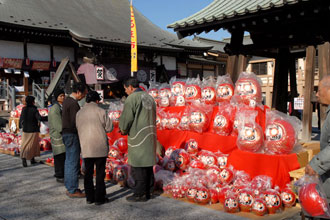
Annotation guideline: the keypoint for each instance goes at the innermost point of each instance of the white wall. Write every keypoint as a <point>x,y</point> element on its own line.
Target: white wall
<point>11,49</point>
<point>62,52</point>
<point>39,52</point>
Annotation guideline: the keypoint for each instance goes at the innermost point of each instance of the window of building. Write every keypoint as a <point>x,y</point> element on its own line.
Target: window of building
<point>259,68</point>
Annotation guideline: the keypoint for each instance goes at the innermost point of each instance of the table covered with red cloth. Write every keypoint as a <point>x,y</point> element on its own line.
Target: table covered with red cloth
<point>275,166</point>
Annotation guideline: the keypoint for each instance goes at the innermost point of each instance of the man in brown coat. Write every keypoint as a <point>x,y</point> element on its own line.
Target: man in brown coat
<point>92,124</point>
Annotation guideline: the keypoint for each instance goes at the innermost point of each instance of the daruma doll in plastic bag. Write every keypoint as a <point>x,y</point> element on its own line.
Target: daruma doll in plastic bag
<point>224,88</point>
<point>248,89</point>
<point>281,132</point>
<point>199,117</point>
<point>193,89</point>
<point>223,120</point>
<point>208,91</point>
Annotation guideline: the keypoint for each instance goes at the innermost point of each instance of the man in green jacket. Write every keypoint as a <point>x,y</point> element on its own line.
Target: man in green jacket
<point>138,121</point>
<point>55,129</point>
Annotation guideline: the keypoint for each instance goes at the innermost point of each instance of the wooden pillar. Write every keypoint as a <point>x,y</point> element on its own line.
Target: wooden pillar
<point>324,69</point>
<point>309,88</point>
<point>293,83</point>
<point>280,84</point>
<point>235,62</point>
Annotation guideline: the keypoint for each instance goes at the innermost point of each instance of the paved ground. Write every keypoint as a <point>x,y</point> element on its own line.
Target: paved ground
<point>33,193</point>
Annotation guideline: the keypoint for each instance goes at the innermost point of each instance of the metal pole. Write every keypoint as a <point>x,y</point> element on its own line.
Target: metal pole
<point>42,98</point>
<point>13,98</point>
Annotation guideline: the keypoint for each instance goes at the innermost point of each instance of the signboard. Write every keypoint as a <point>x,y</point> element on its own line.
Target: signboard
<point>11,63</point>
<point>101,93</point>
<point>99,73</point>
<point>153,75</point>
<point>298,104</point>
<point>40,65</point>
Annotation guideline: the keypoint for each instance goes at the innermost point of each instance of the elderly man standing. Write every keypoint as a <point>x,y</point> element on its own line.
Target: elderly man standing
<point>320,164</point>
<point>93,124</point>
<point>138,120</point>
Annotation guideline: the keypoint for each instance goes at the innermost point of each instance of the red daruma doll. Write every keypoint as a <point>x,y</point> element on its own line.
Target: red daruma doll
<point>248,89</point>
<point>192,90</point>
<point>115,109</point>
<point>280,132</point>
<point>224,88</point>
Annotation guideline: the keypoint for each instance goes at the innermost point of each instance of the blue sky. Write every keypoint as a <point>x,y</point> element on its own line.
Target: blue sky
<point>164,12</point>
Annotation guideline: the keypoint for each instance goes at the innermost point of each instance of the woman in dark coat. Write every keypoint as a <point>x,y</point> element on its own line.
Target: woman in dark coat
<point>29,121</point>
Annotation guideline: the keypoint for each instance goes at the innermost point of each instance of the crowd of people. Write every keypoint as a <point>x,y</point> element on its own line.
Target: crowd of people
<point>81,131</point>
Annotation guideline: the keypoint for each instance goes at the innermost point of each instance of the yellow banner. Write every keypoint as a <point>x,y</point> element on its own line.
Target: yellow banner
<point>133,43</point>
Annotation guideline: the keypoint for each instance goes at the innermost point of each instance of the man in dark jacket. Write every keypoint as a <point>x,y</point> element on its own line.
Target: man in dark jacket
<point>320,164</point>
<point>71,140</point>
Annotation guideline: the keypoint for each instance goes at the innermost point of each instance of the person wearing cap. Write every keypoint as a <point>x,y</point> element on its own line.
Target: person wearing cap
<point>29,121</point>
<point>55,129</point>
<point>93,124</point>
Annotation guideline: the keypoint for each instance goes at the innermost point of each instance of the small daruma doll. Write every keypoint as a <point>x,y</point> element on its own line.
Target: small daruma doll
<point>224,92</point>
<point>114,116</point>
<point>259,207</point>
<point>245,200</point>
<point>202,195</point>
<point>191,193</point>
<point>221,159</point>
<point>226,176</point>
<point>207,158</point>
<point>250,137</point>
<point>288,198</point>
<point>154,93</point>
<point>280,137</point>
<point>208,95</point>
<point>191,147</point>
<point>114,153</point>
<point>231,203</point>
<point>182,159</point>
<point>273,200</point>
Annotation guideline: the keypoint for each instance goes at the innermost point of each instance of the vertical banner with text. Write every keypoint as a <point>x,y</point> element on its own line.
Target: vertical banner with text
<point>133,43</point>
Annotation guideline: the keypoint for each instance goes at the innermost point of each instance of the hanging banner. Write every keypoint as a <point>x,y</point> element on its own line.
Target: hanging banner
<point>133,43</point>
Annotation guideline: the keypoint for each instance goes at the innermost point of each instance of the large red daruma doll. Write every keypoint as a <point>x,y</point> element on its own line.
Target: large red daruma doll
<point>192,92</point>
<point>224,92</point>
<point>311,200</point>
<point>208,95</point>
<point>114,116</point>
<point>280,137</point>
<point>248,90</point>
<point>250,137</point>
<point>198,121</point>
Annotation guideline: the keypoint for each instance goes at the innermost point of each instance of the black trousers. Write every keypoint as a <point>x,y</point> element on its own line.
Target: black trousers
<point>99,193</point>
<point>144,180</point>
<point>59,161</point>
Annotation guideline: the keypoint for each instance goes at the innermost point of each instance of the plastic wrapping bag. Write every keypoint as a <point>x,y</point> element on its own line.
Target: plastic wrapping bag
<point>164,95</point>
<point>208,158</point>
<point>224,88</point>
<point>181,159</point>
<point>208,91</point>
<point>288,197</point>
<point>273,201</point>
<point>222,159</point>
<point>312,196</point>
<point>191,147</point>
<point>231,202</point>
<point>223,120</point>
<point>281,133</point>
<point>261,183</point>
<point>193,89</point>
<point>122,145</point>
<point>114,112</point>
<point>173,120</point>
<point>250,134</point>
<point>246,199</point>
<point>154,91</point>
<point>199,117</point>
<point>184,121</point>
<point>248,90</point>
<point>177,86</point>
<point>259,207</point>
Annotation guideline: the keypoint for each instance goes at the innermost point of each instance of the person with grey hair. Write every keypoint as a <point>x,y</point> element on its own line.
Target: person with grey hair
<point>320,163</point>
<point>93,124</point>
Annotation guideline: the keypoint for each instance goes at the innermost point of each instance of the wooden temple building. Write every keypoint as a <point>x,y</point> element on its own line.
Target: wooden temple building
<point>283,30</point>
<point>36,35</point>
